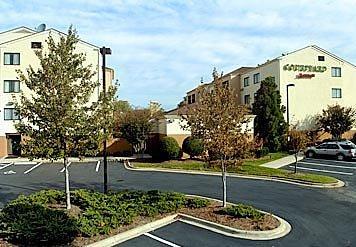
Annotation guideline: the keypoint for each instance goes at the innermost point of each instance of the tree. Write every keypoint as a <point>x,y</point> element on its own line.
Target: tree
<point>337,120</point>
<point>298,141</point>
<point>135,126</point>
<point>122,106</point>
<point>57,118</point>
<point>269,122</point>
<point>219,121</point>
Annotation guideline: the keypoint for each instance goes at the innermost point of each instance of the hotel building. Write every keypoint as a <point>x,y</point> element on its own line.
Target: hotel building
<point>17,52</point>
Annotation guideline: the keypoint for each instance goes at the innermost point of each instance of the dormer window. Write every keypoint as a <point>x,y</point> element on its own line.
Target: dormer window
<point>36,45</point>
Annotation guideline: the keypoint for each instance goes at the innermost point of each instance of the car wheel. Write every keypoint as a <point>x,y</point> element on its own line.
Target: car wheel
<point>340,157</point>
<point>310,154</point>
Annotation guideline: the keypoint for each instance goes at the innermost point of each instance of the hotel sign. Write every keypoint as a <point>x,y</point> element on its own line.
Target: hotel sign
<point>304,68</point>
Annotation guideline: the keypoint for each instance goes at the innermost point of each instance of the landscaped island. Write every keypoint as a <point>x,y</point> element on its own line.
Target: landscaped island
<point>250,167</point>
<point>41,218</point>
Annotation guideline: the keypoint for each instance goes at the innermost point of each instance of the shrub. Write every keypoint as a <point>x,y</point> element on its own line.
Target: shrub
<point>168,149</point>
<point>262,152</point>
<point>193,146</point>
<point>35,224</point>
<point>242,211</point>
<point>196,203</point>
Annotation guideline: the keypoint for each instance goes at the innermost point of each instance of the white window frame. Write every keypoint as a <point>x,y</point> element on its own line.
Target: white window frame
<point>336,93</point>
<point>336,71</point>
<point>11,112</point>
<point>12,86</point>
<point>9,58</point>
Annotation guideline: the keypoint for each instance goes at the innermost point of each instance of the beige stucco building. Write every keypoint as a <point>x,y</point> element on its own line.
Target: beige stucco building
<point>17,48</point>
<point>320,78</point>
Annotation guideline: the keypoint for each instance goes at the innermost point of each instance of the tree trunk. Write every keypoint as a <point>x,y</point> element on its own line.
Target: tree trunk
<point>223,169</point>
<point>66,178</point>
<point>296,162</point>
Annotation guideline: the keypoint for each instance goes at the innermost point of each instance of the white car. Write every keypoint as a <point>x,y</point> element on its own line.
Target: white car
<point>340,149</point>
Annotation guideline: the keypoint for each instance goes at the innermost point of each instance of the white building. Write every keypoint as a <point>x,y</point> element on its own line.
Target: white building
<point>17,48</point>
<point>320,78</point>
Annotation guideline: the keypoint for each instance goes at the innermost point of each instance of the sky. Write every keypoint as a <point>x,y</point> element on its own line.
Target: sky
<point>162,49</point>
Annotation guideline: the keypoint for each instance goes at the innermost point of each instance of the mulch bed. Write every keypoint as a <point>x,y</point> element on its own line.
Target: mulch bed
<point>211,213</point>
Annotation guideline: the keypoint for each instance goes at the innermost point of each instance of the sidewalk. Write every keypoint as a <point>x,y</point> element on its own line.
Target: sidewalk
<point>70,159</point>
<point>282,162</point>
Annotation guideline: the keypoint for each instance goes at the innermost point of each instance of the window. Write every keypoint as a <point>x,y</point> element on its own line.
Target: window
<point>335,71</point>
<point>10,114</point>
<point>247,99</point>
<point>36,45</point>
<point>332,146</point>
<point>11,58</point>
<point>11,86</point>
<point>321,58</point>
<point>336,93</point>
<point>256,78</point>
<point>225,83</point>
<point>189,99</point>
<point>246,81</point>
<point>322,146</point>
<point>193,98</point>
<point>347,147</point>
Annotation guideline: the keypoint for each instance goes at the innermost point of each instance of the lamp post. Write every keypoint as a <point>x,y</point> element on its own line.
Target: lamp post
<point>288,86</point>
<point>105,51</point>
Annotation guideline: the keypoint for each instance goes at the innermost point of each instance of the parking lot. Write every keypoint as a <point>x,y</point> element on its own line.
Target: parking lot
<point>340,169</point>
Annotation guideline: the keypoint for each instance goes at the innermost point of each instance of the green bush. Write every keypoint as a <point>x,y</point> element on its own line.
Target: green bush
<point>193,146</point>
<point>196,203</point>
<point>242,211</point>
<point>35,224</point>
<point>33,219</point>
<point>168,149</point>
<point>262,152</point>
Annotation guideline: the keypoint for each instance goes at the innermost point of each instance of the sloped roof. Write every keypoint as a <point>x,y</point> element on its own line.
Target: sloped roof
<point>37,33</point>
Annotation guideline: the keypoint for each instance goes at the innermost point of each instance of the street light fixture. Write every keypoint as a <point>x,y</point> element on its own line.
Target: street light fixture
<point>288,86</point>
<point>105,51</point>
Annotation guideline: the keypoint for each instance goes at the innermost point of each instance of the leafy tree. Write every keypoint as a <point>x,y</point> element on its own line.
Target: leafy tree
<point>337,120</point>
<point>135,126</point>
<point>57,118</point>
<point>219,121</point>
<point>298,141</point>
<point>122,106</point>
<point>269,122</point>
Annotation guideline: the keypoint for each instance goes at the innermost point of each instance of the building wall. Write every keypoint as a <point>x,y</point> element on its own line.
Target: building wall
<point>268,69</point>
<point>311,96</point>
<point>28,58</point>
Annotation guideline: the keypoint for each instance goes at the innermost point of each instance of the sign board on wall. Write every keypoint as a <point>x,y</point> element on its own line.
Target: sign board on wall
<point>304,68</point>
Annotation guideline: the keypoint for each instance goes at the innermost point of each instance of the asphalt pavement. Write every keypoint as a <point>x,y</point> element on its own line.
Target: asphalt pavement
<point>319,217</point>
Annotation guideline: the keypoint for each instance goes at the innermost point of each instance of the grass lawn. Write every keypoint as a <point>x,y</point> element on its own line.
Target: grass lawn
<point>248,167</point>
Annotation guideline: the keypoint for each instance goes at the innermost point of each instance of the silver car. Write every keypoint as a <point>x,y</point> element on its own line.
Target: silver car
<point>340,149</point>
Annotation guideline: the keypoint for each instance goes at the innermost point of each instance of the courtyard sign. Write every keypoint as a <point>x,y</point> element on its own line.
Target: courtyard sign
<point>304,68</point>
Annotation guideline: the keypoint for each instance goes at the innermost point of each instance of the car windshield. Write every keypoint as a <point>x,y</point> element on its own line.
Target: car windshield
<point>347,146</point>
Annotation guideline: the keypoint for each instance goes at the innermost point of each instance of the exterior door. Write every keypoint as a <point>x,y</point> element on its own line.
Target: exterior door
<point>13,144</point>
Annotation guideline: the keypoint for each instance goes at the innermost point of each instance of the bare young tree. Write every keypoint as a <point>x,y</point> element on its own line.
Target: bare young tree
<point>298,141</point>
<point>220,122</point>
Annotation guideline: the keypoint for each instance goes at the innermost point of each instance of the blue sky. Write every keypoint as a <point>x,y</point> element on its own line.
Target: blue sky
<point>161,49</point>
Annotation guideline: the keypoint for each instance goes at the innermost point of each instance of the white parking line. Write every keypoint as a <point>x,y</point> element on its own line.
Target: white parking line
<point>97,166</point>
<point>317,164</point>
<point>33,167</point>
<point>161,240</point>
<point>3,167</point>
<point>338,161</point>
<point>327,171</point>
<point>67,167</point>
<point>25,163</point>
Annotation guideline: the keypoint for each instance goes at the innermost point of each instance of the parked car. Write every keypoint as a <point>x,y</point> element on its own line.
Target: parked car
<point>341,150</point>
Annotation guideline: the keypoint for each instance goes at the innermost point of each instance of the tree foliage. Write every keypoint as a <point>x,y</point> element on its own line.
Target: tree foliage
<point>337,120</point>
<point>297,142</point>
<point>135,125</point>
<point>270,125</point>
<point>219,121</point>
<point>58,118</point>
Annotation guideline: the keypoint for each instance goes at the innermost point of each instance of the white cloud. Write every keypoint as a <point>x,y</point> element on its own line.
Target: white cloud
<point>162,48</point>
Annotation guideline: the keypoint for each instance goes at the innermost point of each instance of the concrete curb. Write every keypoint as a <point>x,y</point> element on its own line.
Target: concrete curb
<point>124,236</point>
<point>282,230</point>
<point>338,184</point>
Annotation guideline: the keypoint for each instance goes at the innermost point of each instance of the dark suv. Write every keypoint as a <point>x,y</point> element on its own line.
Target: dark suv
<point>339,149</point>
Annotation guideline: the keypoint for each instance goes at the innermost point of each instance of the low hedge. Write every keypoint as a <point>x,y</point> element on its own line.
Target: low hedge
<point>193,146</point>
<point>40,218</point>
<point>242,211</point>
